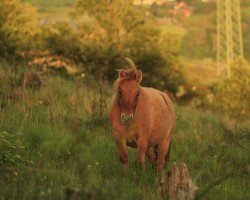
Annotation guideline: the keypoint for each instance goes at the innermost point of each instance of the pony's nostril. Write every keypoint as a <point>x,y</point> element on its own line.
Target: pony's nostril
<point>126,118</point>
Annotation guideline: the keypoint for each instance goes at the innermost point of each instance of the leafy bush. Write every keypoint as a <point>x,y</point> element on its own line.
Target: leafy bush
<point>18,26</point>
<point>11,149</point>
<point>233,94</point>
<point>88,45</point>
<point>102,38</point>
<point>245,16</point>
<point>198,42</point>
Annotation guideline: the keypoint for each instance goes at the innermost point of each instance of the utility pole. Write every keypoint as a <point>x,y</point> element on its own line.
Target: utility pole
<point>229,34</point>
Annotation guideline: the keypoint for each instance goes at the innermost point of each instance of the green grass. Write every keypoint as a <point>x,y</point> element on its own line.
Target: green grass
<point>55,10</point>
<point>72,147</point>
<point>51,3</point>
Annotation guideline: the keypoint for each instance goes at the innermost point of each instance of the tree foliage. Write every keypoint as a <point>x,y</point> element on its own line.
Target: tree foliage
<point>106,32</point>
<point>18,26</point>
<point>200,39</point>
<point>233,94</point>
<point>117,17</point>
<point>11,149</point>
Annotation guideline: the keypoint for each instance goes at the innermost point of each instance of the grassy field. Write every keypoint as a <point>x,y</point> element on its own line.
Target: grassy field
<point>53,11</point>
<point>51,4</point>
<point>59,138</point>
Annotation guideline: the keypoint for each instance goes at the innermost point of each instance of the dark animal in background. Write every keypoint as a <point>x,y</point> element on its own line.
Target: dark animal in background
<point>31,80</point>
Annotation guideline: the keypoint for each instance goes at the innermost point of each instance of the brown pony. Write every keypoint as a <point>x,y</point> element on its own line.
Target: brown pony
<point>141,117</point>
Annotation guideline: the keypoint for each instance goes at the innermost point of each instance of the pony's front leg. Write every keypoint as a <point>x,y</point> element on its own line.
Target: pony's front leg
<point>123,154</point>
<point>151,155</point>
<point>141,150</point>
<point>122,147</point>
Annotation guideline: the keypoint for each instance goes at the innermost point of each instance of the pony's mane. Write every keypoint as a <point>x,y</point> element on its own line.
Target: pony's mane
<point>130,71</point>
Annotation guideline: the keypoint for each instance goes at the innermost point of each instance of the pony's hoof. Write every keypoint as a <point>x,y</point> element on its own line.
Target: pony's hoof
<point>139,164</point>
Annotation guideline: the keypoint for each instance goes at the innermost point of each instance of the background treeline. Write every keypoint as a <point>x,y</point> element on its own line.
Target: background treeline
<point>201,27</point>
<point>96,38</point>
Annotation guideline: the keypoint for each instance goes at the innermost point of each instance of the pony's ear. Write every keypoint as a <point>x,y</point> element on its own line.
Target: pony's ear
<point>138,75</point>
<point>122,74</point>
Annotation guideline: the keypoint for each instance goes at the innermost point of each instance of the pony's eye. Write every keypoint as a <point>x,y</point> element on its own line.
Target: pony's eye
<point>138,93</point>
<point>120,93</point>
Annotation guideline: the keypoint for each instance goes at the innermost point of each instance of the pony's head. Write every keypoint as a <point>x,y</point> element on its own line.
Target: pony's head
<point>128,91</point>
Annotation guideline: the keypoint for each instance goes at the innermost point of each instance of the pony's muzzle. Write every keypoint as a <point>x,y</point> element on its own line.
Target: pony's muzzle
<point>126,118</point>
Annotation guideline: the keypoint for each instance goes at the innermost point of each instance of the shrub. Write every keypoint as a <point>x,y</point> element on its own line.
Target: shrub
<point>87,45</point>
<point>197,43</point>
<point>11,149</point>
<point>18,26</point>
<point>233,94</point>
<point>99,44</point>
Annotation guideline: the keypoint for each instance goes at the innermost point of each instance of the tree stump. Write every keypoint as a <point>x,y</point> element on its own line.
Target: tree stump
<point>176,184</point>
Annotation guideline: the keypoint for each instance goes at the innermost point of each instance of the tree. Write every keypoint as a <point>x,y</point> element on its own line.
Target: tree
<point>18,26</point>
<point>116,17</point>
<point>117,20</point>
<point>106,32</point>
<point>232,94</point>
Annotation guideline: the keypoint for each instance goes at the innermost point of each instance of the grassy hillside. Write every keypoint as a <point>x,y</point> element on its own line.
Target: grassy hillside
<point>56,10</point>
<point>49,3</point>
<point>59,138</point>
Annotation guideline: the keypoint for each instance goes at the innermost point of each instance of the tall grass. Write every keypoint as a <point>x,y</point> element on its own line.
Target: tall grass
<point>67,137</point>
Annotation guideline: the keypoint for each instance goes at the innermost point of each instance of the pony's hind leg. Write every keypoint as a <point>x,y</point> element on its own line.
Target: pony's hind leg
<point>141,150</point>
<point>151,155</point>
<point>163,148</point>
